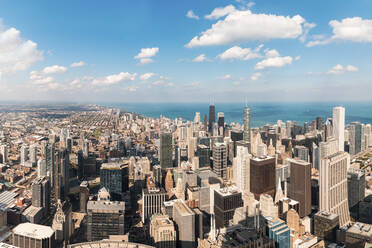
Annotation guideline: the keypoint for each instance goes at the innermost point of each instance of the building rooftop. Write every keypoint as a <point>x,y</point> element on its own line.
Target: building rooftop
<point>327,215</point>
<point>106,205</point>
<point>262,158</point>
<point>184,209</point>
<point>226,191</point>
<point>112,166</point>
<point>108,244</point>
<point>361,229</point>
<point>33,230</point>
<point>7,199</point>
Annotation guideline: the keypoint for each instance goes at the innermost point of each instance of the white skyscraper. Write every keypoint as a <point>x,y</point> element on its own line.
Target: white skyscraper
<point>339,126</point>
<point>24,154</point>
<point>333,186</point>
<point>241,168</point>
<point>33,153</point>
<point>4,153</point>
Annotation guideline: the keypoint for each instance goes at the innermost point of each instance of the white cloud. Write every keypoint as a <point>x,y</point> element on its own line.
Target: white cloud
<point>39,78</point>
<point>190,14</point>
<point>227,76</point>
<point>272,53</point>
<point>145,61</point>
<point>241,26</point>
<point>354,29</point>
<point>220,12</point>
<point>147,53</point>
<point>114,79</point>
<point>239,53</point>
<point>307,28</point>
<point>256,76</point>
<point>55,69</point>
<point>77,64</point>
<point>340,69</point>
<point>146,76</point>
<point>16,54</point>
<point>250,4</point>
<point>274,62</point>
<point>297,58</point>
<point>200,58</point>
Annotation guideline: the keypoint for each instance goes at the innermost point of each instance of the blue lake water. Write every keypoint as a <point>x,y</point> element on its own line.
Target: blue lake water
<point>261,113</point>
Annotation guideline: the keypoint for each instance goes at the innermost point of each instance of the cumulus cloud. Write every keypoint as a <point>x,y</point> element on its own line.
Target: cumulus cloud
<point>274,62</point>
<point>54,69</point>
<point>200,58</point>
<point>354,29</point>
<point>272,53</point>
<point>220,12</point>
<point>256,76</point>
<point>307,27</point>
<point>16,54</point>
<point>243,25</point>
<point>146,76</point>
<point>114,79</point>
<point>39,78</point>
<point>78,64</point>
<point>340,69</point>
<point>147,53</point>
<point>190,14</point>
<point>238,53</point>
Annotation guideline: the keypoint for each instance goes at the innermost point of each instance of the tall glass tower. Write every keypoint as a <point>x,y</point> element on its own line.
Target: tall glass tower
<point>247,124</point>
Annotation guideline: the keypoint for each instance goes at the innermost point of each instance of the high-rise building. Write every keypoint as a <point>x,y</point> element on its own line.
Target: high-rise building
<point>356,137</point>
<point>221,121</point>
<point>356,186</point>
<point>28,235</point>
<point>302,153</point>
<point>333,186</point>
<point>339,126</point>
<point>41,168</point>
<point>163,232</point>
<point>4,153</point>
<point>325,225</point>
<point>152,201</point>
<point>197,117</point>
<point>220,159</point>
<point>226,200</point>
<point>300,185</point>
<point>262,176</point>
<point>247,124</point>
<point>203,154</point>
<point>319,123</point>
<point>63,174</point>
<point>185,220</point>
<point>114,177</point>
<point>166,151</point>
<point>24,154</point>
<point>84,196</point>
<point>279,232</point>
<point>212,117</point>
<point>41,193</point>
<point>241,169</point>
<point>33,154</point>
<point>105,217</point>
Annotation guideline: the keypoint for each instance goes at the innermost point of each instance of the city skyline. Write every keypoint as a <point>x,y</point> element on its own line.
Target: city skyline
<point>185,52</point>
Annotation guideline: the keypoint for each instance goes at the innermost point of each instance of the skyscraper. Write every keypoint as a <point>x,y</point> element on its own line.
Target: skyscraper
<point>247,124</point>
<point>24,154</point>
<point>300,185</point>
<point>339,126</point>
<point>356,137</point>
<point>262,176</point>
<point>241,168</point>
<point>220,159</point>
<point>333,186</point>
<point>41,193</point>
<point>166,150</point>
<point>212,117</point>
<point>33,153</point>
<point>114,177</point>
<point>4,153</point>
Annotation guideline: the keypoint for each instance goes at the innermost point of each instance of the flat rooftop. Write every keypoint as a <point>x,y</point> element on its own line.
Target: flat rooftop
<point>361,229</point>
<point>226,191</point>
<point>33,230</point>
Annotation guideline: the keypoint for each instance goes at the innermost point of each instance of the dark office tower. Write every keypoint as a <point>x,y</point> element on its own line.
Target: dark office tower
<point>84,196</point>
<point>80,159</point>
<point>48,151</point>
<point>69,144</point>
<point>356,186</point>
<point>86,148</point>
<point>114,177</point>
<point>205,122</point>
<point>212,117</point>
<point>158,176</point>
<point>65,173</point>
<point>356,138</point>
<point>236,135</point>
<point>247,124</point>
<point>221,119</point>
<point>203,153</point>
<point>262,176</point>
<point>220,159</point>
<point>300,186</point>
<point>41,193</point>
<point>226,200</point>
<point>166,150</point>
<point>319,123</point>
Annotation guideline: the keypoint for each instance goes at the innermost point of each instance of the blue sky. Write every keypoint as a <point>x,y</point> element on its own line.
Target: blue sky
<point>185,51</point>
